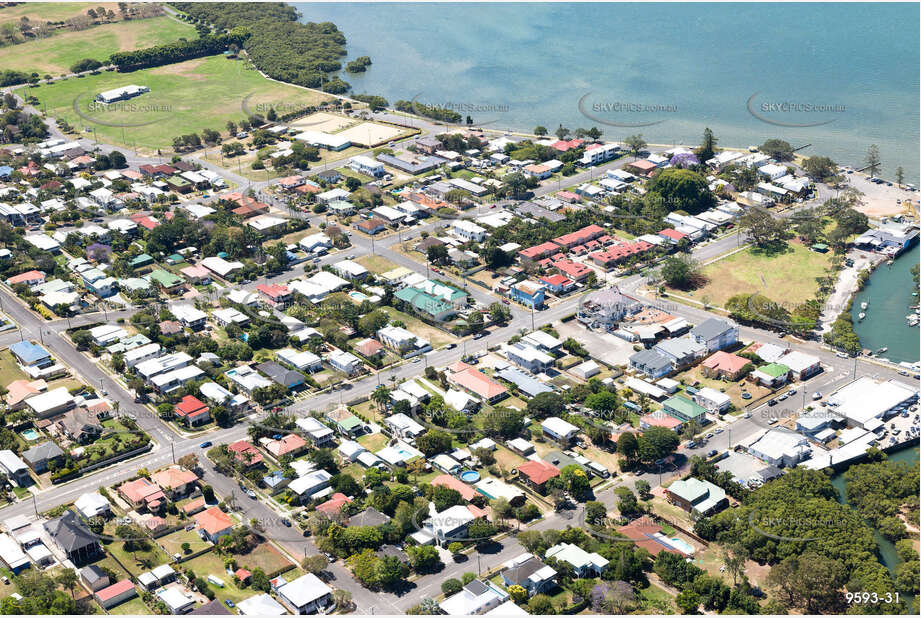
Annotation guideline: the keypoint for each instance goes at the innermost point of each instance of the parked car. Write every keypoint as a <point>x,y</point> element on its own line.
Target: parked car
<point>229,603</point>
<point>772,402</point>
<point>205,444</point>
<point>712,453</point>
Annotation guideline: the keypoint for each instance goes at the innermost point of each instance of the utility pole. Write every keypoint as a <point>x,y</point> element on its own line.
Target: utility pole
<point>34,505</point>
<point>172,446</point>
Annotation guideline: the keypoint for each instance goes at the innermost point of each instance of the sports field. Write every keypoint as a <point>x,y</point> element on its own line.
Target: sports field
<point>184,98</point>
<point>56,54</point>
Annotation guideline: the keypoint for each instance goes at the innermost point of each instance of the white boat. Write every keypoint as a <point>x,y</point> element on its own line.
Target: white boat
<point>861,316</point>
<point>863,305</point>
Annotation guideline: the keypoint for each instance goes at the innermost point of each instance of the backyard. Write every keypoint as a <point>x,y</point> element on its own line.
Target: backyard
<point>787,276</point>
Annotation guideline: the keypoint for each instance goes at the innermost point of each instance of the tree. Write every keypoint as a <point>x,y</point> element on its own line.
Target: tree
<point>67,579</point>
<point>451,586</point>
<point>504,422</point>
<point>456,547</point>
<point>820,168</point>
<point>899,176</point>
<point>498,313</point>
<point>315,564</point>
<point>518,593</point>
<point>656,443</point>
<point>595,512</point>
<point>680,271</point>
<point>688,602</point>
<point>433,442</point>
<point>762,228</point>
<point>809,580</point>
<point>777,149</point>
<point>643,488</point>
<point>423,558</point>
<point>707,146</point>
<point>546,404</point>
<point>259,580</point>
<point>635,144</point>
<point>437,254</point>
<point>872,160</point>
<point>391,571</point>
<point>189,462</point>
<point>540,131</point>
<point>681,189</point>
<point>475,322</point>
<point>604,403</point>
<point>381,397</point>
<point>628,446</point>
<point>561,132</point>
<point>734,557</point>
<point>540,604</point>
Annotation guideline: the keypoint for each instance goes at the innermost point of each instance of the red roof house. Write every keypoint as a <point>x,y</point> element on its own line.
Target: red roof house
<point>537,473</point>
<point>193,410</point>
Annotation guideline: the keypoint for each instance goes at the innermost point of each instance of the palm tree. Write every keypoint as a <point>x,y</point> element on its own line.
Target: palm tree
<point>380,397</point>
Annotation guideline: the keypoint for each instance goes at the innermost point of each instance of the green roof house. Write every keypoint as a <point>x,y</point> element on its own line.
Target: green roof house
<point>773,374</point>
<point>141,261</point>
<point>696,496</point>
<point>426,304</point>
<point>684,409</point>
<point>165,279</point>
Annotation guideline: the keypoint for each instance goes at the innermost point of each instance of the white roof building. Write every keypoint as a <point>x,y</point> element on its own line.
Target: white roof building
<point>865,399</point>
<point>305,594</point>
<point>261,605</point>
<point>92,505</point>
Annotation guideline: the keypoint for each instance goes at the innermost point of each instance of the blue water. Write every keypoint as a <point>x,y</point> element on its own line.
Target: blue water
<point>889,294</point>
<point>532,63</point>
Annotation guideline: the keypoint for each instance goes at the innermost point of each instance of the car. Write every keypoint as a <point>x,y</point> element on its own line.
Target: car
<point>418,359</point>
<point>229,603</point>
<point>251,493</point>
<point>205,444</point>
<point>782,396</point>
<point>747,415</point>
<point>902,372</point>
<point>709,435</point>
<point>450,346</point>
<point>692,444</point>
<point>841,354</point>
<point>772,420</point>
<point>746,395</point>
<point>718,430</point>
<point>330,557</point>
<point>712,453</point>
<point>772,402</point>
<point>792,391</point>
<point>286,523</point>
<point>817,395</point>
<point>479,335</point>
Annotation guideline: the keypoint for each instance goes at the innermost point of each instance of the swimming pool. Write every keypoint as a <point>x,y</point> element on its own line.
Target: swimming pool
<point>30,434</point>
<point>470,476</point>
<point>358,295</point>
<point>682,546</point>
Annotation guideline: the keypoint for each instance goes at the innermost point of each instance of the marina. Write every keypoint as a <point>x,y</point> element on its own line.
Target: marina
<point>885,311</point>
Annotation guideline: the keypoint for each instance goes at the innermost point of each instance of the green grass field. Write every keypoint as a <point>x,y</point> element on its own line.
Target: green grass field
<point>184,98</point>
<point>51,11</point>
<point>9,369</point>
<point>56,54</point>
<point>788,276</point>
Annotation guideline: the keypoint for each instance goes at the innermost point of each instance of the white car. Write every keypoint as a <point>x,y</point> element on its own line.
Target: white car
<point>841,355</point>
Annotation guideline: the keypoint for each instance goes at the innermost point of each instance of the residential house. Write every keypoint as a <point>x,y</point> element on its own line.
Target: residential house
<point>528,293</point>
<point>696,496</point>
<point>404,427</point>
<point>73,538</point>
<point>306,595</point>
<point>476,382</point>
<point>682,352</point>
<point>290,445</point>
<point>192,410</point>
<point>651,363</point>
<point>176,482</point>
<point>584,564</point>
<point>319,434</point>
<point>14,467</point>
<point>119,592</point>
<point>529,572</point>
<point>536,474</point>
<point>40,456</point>
<point>723,365</point>
<point>713,400</point>
<point>559,430</point>
<point>683,408</point>
<point>715,334</point>
<point>476,598</point>
<point>529,357</point>
<point>213,523</point>
<point>246,453</point>
<point>142,492</point>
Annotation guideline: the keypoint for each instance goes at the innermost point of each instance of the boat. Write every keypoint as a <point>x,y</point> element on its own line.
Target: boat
<point>881,350</point>
<point>861,315</point>
<point>863,305</point>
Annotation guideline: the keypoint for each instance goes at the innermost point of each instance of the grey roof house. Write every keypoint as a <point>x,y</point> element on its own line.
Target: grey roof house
<point>73,538</point>
<point>40,455</point>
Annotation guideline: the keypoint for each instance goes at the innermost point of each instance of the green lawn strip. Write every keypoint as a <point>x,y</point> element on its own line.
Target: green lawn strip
<point>133,606</point>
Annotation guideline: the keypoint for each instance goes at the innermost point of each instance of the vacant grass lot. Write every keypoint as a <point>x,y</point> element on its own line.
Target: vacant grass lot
<point>184,98</point>
<point>419,328</point>
<point>131,607</point>
<point>788,276</point>
<point>56,54</point>
<point>9,369</point>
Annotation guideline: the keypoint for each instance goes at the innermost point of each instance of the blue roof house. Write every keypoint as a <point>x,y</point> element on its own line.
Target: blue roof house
<point>30,354</point>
